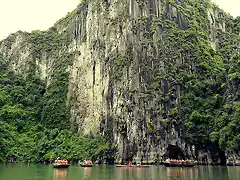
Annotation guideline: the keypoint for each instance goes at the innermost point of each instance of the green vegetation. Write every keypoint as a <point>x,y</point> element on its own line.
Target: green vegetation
<point>185,82</point>
<point>55,113</point>
<point>207,80</point>
<point>195,83</point>
<point>40,144</point>
<point>31,130</point>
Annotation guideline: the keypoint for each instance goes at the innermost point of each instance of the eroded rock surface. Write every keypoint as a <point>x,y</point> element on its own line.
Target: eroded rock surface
<point>124,59</point>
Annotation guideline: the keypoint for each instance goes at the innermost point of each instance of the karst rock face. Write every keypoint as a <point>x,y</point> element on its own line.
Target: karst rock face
<point>124,61</point>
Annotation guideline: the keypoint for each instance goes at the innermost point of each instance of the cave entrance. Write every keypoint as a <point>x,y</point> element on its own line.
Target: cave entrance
<point>174,152</point>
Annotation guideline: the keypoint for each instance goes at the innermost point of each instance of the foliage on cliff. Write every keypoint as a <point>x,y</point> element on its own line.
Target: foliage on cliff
<point>209,104</point>
<point>23,133</point>
<point>40,144</point>
<point>191,71</point>
<point>189,79</point>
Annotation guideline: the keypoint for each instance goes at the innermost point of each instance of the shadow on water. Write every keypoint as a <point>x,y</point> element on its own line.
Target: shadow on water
<point>214,172</point>
<point>233,172</point>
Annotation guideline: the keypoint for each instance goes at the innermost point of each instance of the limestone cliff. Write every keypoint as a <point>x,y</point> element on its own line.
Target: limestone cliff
<point>124,62</point>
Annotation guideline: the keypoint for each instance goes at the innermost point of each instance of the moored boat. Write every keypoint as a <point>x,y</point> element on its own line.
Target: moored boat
<point>133,166</point>
<point>56,165</point>
<point>179,163</point>
<point>61,164</point>
<point>87,163</point>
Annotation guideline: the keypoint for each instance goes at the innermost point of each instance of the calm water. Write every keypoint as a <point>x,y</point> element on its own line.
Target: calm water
<point>45,172</point>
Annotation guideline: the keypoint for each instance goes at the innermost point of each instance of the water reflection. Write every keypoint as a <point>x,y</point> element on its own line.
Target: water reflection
<point>60,174</point>
<point>182,173</point>
<point>87,172</point>
<point>43,172</point>
<point>233,172</point>
<point>133,173</point>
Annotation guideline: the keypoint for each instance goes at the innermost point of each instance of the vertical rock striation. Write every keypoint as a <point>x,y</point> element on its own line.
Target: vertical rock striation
<point>123,60</point>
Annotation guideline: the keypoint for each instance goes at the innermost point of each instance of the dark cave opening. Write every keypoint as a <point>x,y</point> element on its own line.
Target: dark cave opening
<point>223,159</point>
<point>217,155</point>
<point>174,152</point>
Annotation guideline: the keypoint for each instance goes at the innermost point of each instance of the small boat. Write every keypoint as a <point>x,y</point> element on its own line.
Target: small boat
<point>86,165</point>
<point>167,164</point>
<point>178,163</point>
<point>133,166</point>
<point>56,165</point>
<point>61,164</point>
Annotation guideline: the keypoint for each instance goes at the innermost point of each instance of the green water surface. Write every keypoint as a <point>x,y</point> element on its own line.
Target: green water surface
<point>103,172</point>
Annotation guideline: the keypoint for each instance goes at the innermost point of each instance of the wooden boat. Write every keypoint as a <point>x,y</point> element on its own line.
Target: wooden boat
<point>132,166</point>
<point>86,165</point>
<point>167,164</point>
<point>56,165</point>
